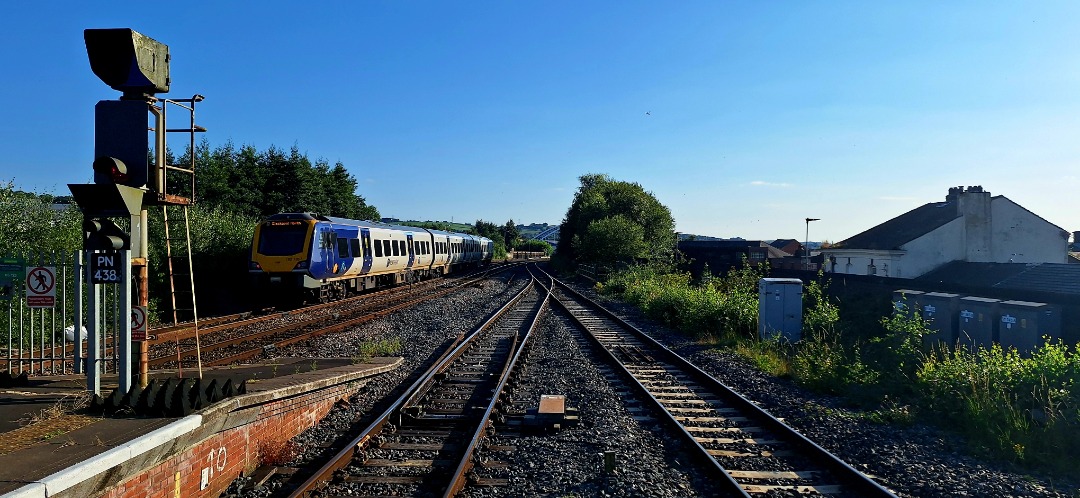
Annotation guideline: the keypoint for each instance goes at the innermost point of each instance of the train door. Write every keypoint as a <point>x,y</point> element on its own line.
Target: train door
<point>327,246</point>
<point>409,246</point>
<point>365,242</point>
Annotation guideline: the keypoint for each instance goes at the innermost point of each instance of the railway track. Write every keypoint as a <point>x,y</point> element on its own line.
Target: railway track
<point>423,444</point>
<point>247,338</point>
<point>755,453</point>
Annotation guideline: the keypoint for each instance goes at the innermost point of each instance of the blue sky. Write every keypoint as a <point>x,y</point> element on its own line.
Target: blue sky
<point>743,118</point>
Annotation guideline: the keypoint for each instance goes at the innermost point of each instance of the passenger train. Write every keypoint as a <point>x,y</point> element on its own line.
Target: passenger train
<point>321,258</point>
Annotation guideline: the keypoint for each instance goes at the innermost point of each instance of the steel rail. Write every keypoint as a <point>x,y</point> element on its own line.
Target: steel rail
<point>393,413</point>
<point>161,361</point>
<point>850,476</point>
<point>466,463</point>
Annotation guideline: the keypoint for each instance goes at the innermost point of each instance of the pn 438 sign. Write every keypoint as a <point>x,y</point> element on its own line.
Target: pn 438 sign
<point>105,268</point>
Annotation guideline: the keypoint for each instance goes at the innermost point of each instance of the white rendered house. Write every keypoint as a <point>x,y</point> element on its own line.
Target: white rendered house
<point>969,226</point>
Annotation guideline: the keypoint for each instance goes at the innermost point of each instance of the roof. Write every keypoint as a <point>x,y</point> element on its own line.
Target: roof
<point>904,228</point>
<point>780,243</point>
<point>1060,278</point>
<point>701,246</point>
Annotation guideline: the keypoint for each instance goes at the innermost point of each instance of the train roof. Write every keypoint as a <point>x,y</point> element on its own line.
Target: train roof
<point>369,224</point>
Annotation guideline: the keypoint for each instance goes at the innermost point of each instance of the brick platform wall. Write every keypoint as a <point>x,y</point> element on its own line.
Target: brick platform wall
<point>224,456</point>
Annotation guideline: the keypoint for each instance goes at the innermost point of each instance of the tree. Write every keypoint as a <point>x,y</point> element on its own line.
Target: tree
<point>263,183</point>
<point>510,234</point>
<point>611,221</point>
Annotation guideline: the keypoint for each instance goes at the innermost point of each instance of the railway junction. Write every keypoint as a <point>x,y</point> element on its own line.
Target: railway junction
<point>503,381</point>
<point>606,437</point>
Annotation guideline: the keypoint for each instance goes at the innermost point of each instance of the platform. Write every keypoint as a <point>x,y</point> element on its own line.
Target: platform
<point>46,451</point>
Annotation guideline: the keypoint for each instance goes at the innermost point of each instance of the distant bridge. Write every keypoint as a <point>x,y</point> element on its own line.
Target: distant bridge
<point>549,235</point>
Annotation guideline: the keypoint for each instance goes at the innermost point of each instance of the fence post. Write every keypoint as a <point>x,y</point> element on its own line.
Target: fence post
<point>78,273</point>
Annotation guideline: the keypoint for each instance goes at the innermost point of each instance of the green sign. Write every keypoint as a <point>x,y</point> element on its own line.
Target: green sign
<point>12,273</point>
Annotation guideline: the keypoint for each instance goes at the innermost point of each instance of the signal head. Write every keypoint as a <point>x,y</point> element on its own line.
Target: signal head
<point>128,61</point>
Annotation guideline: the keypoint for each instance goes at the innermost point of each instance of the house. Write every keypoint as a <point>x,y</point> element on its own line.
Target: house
<point>790,246</point>
<point>723,255</point>
<point>969,226</point>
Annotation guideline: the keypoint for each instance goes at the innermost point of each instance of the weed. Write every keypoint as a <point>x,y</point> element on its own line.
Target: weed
<point>51,434</point>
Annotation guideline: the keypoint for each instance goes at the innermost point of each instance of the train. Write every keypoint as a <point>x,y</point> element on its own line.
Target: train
<point>308,257</point>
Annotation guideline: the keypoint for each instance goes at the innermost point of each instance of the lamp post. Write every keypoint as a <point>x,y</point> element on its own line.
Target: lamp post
<point>806,248</point>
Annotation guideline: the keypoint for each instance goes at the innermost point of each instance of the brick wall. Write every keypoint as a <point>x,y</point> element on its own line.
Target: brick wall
<point>225,455</point>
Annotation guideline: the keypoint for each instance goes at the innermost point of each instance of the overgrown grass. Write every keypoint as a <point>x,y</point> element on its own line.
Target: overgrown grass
<point>378,347</point>
<point>1020,409</point>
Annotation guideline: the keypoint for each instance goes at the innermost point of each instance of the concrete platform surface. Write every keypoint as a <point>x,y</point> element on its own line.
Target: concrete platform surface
<point>42,432</point>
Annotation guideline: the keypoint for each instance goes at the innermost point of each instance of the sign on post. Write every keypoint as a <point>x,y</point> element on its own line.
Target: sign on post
<point>105,267</point>
<point>40,287</point>
<point>138,323</point>
<point>11,271</point>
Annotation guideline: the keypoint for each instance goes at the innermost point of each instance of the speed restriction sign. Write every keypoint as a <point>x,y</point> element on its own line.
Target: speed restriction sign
<point>138,323</point>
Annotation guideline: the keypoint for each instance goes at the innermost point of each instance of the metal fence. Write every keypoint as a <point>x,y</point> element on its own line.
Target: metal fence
<point>44,340</point>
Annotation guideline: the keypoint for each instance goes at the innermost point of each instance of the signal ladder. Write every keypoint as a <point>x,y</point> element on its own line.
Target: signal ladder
<point>177,247</point>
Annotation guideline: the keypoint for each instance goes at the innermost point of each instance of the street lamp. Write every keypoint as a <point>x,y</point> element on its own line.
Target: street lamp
<point>806,248</point>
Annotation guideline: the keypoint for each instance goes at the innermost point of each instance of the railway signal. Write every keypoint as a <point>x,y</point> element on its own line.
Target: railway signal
<point>129,176</point>
<point>102,234</point>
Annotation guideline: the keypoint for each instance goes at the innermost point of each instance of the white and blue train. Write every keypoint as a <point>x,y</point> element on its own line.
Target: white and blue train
<point>322,258</point>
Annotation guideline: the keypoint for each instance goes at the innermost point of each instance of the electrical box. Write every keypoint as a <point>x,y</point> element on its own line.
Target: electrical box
<point>977,321</point>
<point>907,301</point>
<point>939,311</point>
<point>1022,324</point>
<point>780,308</point>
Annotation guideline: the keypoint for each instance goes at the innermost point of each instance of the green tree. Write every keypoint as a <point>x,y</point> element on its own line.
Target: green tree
<point>259,184</point>
<point>510,234</point>
<point>611,221</point>
<point>29,224</point>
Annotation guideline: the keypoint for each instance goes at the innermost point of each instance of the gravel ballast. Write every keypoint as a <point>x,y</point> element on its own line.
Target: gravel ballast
<point>912,460</point>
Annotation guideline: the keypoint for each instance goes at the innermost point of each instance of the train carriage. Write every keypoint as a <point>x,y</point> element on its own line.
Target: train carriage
<point>309,257</point>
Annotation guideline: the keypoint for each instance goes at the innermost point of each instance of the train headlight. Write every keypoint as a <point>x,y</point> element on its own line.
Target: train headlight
<point>303,265</point>
<point>254,265</point>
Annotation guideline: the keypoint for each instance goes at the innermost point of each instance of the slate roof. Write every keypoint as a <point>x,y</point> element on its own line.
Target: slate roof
<point>904,228</point>
<point>1060,278</point>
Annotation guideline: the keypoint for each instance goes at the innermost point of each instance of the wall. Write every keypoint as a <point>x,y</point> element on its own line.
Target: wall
<point>940,246</point>
<point>232,447</point>
<point>1022,237</point>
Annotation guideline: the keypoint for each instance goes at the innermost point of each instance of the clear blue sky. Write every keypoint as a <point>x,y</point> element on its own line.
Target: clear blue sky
<point>744,118</point>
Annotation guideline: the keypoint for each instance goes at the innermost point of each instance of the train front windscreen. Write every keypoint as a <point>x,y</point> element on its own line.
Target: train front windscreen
<point>282,238</point>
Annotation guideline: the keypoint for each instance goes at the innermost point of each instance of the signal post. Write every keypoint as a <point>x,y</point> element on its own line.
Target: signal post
<point>126,182</point>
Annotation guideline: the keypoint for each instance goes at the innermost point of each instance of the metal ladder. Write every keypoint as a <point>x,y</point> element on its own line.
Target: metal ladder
<point>171,195</point>
<point>181,277</point>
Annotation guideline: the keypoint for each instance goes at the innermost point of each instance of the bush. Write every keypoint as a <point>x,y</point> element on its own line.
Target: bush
<point>1024,409</point>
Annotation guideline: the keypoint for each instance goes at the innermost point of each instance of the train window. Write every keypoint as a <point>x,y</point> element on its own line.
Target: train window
<point>378,248</point>
<point>282,240</point>
<point>395,247</point>
<point>342,248</point>
<point>386,248</point>
<point>401,244</point>
<point>354,244</point>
